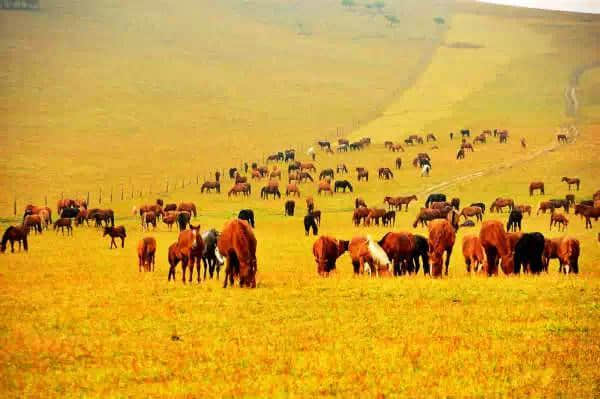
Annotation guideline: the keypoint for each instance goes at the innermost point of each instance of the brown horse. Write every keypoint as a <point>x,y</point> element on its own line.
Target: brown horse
<point>63,223</point>
<point>358,202</point>
<point>467,146</point>
<point>188,207</point>
<point>470,211</point>
<point>441,239</point>
<point>496,247</point>
<point>211,185</point>
<point>536,185</point>
<point>146,250</point>
<point>501,203</point>
<point>524,209</point>
<point>113,232</point>
<point>102,215</point>
<point>367,256</point>
<point>35,210</point>
<point>558,219</point>
<point>148,218</point>
<point>562,138</point>
<point>188,250</point>
<point>568,255</point>
<point>363,175</point>
<point>545,206</point>
<point>360,213</point>
<point>399,247</point>
<point>170,207</point>
<point>396,148</point>
<point>12,234</point>
<point>35,222</point>
<point>572,182</point>
<point>325,186</point>
<point>374,214</point>
<point>237,188</point>
<point>397,202</point>
<point>326,251</point>
<point>473,252</point>
<point>240,179</point>
<point>385,173</point>
<point>238,244</point>
<point>398,163</point>
<point>427,214</point>
<point>170,220</point>
<point>292,188</point>
<point>308,166</point>
<point>156,208</point>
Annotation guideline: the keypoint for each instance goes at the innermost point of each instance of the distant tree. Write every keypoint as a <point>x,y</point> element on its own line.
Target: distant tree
<point>348,3</point>
<point>439,20</point>
<point>376,4</point>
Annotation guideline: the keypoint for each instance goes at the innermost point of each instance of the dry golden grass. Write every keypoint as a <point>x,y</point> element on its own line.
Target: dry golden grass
<point>77,319</point>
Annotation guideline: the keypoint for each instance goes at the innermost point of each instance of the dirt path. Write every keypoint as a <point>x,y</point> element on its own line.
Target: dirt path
<point>572,107</point>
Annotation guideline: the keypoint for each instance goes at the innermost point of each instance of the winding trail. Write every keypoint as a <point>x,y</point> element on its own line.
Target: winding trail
<point>572,108</point>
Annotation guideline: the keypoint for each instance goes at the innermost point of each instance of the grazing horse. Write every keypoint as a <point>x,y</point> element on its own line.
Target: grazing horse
<point>385,173</point>
<point>529,251</point>
<point>431,137</point>
<point>496,247</point>
<point>544,206</point>
<point>102,215</point>
<point>363,175</point>
<point>536,185</point>
<point>397,202</point>
<point>420,250</point>
<point>69,212</point>
<point>400,248</point>
<point>113,232</point>
<point>374,214</point>
<point>465,133</point>
<point>441,239</point>
<point>248,216</point>
<point>12,234</point>
<point>326,173</point>
<point>146,250</point>
<point>572,182</point>
<point>326,251</point>
<point>397,148</point>
<point>398,163</point>
<point>434,198</point>
<point>270,190</point>
<point>302,177</point>
<point>470,211</point>
<point>360,213</point>
<point>590,213</point>
<point>389,219</point>
<point>238,244</point>
<point>240,179</point>
<point>63,223</point>
<point>289,207</point>
<point>368,257</point>
<point>502,137</point>
<point>427,214</point>
<point>310,223</point>
<point>500,203</point>
<point>460,154</point>
<point>342,185</point>
<point>211,185</point>
<point>467,146</point>
<point>524,209</point>
<point>33,221</point>
<point>292,188</point>
<point>36,210</point>
<point>570,198</point>
<point>560,203</point>
<point>473,252</point>
<point>188,207</point>
<point>170,207</point>
<point>324,144</point>
<point>341,168</point>
<point>244,188</point>
<point>308,166</point>
<point>324,186</point>
<point>560,220</point>
<point>514,220</point>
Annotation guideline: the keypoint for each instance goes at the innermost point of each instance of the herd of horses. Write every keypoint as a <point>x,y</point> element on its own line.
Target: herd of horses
<point>396,253</point>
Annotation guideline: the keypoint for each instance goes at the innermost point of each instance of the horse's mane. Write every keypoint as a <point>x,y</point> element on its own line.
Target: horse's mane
<point>380,242</point>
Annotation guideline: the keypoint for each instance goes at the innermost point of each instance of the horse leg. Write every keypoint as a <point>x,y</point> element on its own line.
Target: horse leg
<point>112,242</point>
<point>184,263</point>
<point>448,253</point>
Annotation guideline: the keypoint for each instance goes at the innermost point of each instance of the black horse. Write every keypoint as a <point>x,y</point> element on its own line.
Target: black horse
<point>69,212</point>
<point>309,222</point>
<point>290,155</point>
<point>465,133</point>
<point>266,191</point>
<point>514,220</point>
<point>421,249</point>
<point>326,173</point>
<point>528,251</point>
<point>290,205</point>
<point>247,215</point>
<point>435,198</point>
<point>183,219</point>
<point>232,173</point>
<point>342,185</point>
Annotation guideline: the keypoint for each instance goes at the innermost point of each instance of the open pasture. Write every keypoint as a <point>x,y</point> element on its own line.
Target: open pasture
<point>79,319</point>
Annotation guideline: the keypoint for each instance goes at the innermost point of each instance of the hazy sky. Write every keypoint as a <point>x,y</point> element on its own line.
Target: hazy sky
<point>591,6</point>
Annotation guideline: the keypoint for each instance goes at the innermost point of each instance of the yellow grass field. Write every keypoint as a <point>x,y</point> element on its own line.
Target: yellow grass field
<point>98,95</point>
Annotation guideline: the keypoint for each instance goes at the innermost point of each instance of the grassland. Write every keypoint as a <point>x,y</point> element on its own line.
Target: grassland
<point>79,320</point>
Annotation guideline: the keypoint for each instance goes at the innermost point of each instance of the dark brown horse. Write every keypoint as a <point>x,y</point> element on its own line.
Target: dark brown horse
<point>399,247</point>
<point>188,207</point>
<point>572,182</point>
<point>63,223</point>
<point>211,185</point>
<point>326,251</point>
<point>536,185</point>
<point>397,202</point>
<point>237,188</point>
<point>113,232</point>
<point>12,234</point>
<point>33,221</point>
<point>500,203</point>
<point>146,250</point>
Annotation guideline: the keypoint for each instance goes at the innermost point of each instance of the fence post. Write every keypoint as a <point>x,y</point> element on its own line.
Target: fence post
<point>183,183</point>
<point>111,191</point>
<point>99,197</point>
<point>122,192</point>
<point>167,185</point>
<point>15,206</point>
<point>132,191</point>
<point>45,200</point>
<point>88,198</point>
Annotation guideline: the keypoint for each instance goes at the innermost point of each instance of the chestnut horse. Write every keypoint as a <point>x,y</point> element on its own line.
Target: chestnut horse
<point>238,244</point>
<point>496,247</point>
<point>441,239</point>
<point>571,182</point>
<point>536,185</point>
<point>473,252</point>
<point>146,250</point>
<point>326,251</point>
<point>399,247</point>
<point>397,202</point>
<point>368,257</point>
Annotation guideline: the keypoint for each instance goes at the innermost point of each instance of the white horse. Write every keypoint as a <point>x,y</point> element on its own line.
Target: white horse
<point>380,258</point>
<point>425,170</point>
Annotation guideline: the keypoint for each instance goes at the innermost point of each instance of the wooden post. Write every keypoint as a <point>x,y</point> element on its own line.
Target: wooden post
<point>197,180</point>
<point>88,198</point>
<point>111,191</point>
<point>183,183</point>
<point>15,206</point>
<point>122,192</point>
<point>45,200</point>
<point>100,196</point>
<point>132,191</point>
<point>167,190</point>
